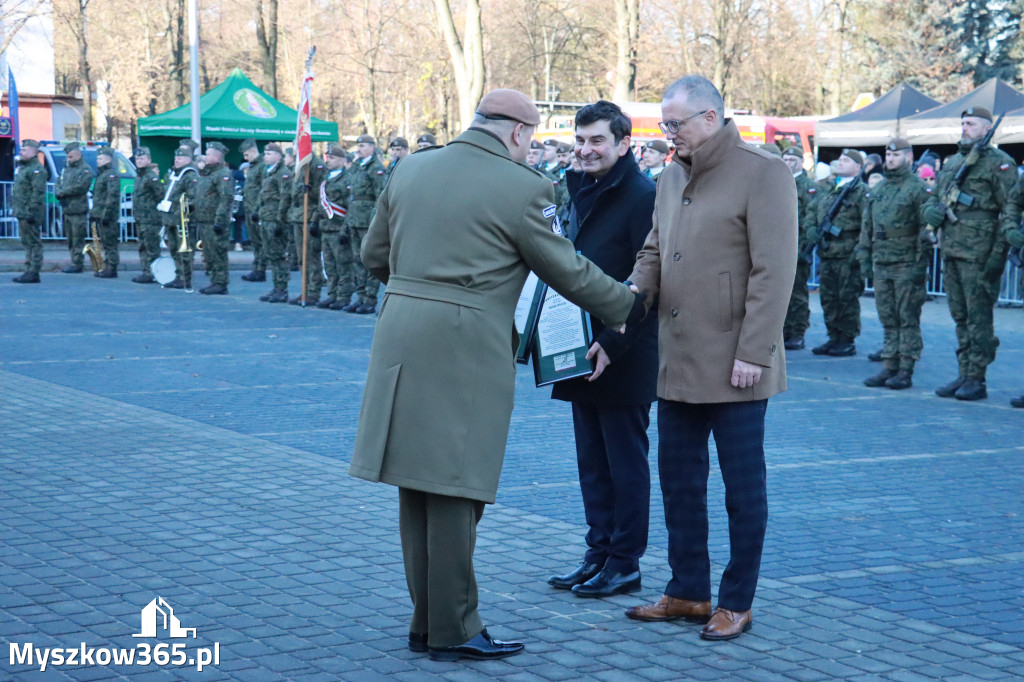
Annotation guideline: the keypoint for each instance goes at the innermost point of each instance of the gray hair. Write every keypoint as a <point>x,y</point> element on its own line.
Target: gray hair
<point>501,127</point>
<point>700,90</point>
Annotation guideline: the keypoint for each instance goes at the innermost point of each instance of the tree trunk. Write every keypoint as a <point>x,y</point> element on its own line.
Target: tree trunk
<point>83,61</point>
<point>266,37</point>
<point>174,36</point>
<point>627,15</point>
<point>467,56</point>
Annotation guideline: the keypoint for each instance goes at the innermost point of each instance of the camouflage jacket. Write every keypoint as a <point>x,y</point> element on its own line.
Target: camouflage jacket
<point>892,222</point>
<point>106,194</point>
<point>335,188</point>
<point>72,187</point>
<point>270,193</point>
<point>317,172</point>
<point>847,219</point>
<point>29,193</point>
<point>188,179</point>
<point>1013,212</point>
<point>215,191</point>
<point>977,231</point>
<point>252,187</point>
<point>806,199</point>
<point>367,182</point>
<point>148,192</point>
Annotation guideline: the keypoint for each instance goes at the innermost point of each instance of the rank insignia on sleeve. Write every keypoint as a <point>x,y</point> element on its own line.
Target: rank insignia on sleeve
<point>550,211</point>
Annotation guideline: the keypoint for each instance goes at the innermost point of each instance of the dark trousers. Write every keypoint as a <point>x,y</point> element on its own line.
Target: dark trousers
<point>615,479</point>
<point>438,538</point>
<point>683,431</point>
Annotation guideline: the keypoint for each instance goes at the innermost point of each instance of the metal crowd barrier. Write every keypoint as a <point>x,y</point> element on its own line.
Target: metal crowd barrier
<point>54,218</point>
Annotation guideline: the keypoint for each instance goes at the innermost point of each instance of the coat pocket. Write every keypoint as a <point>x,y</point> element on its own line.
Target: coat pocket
<point>724,302</point>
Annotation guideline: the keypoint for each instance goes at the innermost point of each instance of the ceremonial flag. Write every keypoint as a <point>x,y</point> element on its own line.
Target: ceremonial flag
<point>303,141</point>
<point>12,104</point>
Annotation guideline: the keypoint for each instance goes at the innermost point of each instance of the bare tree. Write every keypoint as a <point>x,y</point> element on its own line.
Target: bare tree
<point>14,14</point>
<point>266,37</point>
<point>627,18</point>
<point>467,55</point>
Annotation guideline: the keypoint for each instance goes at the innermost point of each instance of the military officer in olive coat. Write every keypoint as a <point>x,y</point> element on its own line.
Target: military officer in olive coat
<point>72,190</point>
<point>106,210</point>
<point>440,384</point>
<point>29,196</point>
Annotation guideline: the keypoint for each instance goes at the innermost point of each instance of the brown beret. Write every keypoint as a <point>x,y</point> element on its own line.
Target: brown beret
<point>246,145</point>
<point>273,147</point>
<point>505,103</point>
<point>854,155</point>
<point>534,144</point>
<point>428,138</point>
<point>367,139</point>
<point>657,145</point>
<point>335,149</point>
<point>793,151</point>
<point>399,142</point>
<point>978,112</point>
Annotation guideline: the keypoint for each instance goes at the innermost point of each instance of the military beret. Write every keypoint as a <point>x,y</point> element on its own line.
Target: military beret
<point>368,139</point>
<point>534,144</point>
<point>72,146</point>
<point>400,142</point>
<point>183,151</point>
<point>898,144</point>
<point>793,151</point>
<point>978,112</point>
<point>30,143</point>
<point>246,145</point>
<point>551,143</point>
<point>657,145</point>
<point>873,158</point>
<point>273,147</point>
<point>428,138</point>
<point>334,149</point>
<point>105,151</point>
<point>854,155</point>
<point>289,151</point>
<point>217,147</point>
<point>142,151</point>
<point>509,104</point>
<point>564,147</point>
<point>188,142</point>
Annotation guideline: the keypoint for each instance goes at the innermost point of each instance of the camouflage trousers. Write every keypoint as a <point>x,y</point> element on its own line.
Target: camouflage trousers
<point>110,234</point>
<point>314,267</point>
<point>798,316</point>
<point>149,244</point>
<point>293,246</point>
<point>275,241</point>
<point>841,285</point>
<point>75,227</point>
<point>366,284</point>
<point>972,294</point>
<point>33,244</point>
<point>339,264</point>
<point>259,259</point>
<point>900,292</point>
<point>183,262</point>
<point>215,253</point>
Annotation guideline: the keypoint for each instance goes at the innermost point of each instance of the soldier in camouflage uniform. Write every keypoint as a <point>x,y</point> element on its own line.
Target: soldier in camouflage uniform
<point>798,315</point>
<point>106,210</point>
<point>840,280</point>
<point>29,196</point>
<point>425,140</point>
<point>894,247</point>
<point>397,151</point>
<point>72,190</point>
<point>287,176</point>
<point>336,242</point>
<point>367,182</point>
<point>215,193</point>
<point>973,251</point>
<point>181,181</point>
<point>1013,232</point>
<point>653,158</point>
<point>273,221</point>
<point>298,190</point>
<point>251,203</point>
<point>148,192</point>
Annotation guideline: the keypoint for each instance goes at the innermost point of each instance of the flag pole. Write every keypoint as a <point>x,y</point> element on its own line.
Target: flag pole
<point>304,130</point>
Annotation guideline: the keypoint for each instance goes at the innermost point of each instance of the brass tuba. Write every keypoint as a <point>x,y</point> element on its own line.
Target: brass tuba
<point>93,249</point>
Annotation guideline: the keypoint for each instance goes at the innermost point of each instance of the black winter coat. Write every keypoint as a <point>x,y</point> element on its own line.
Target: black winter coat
<point>611,234</point>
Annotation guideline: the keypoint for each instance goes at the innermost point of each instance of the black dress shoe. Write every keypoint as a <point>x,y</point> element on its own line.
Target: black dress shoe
<point>606,583</point>
<point>418,642</point>
<point>72,269</point>
<point>584,572</point>
<point>480,648</point>
<point>255,276</point>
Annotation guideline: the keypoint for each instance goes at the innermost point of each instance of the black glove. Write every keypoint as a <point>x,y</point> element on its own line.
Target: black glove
<point>344,239</point>
<point>314,230</point>
<point>254,219</point>
<point>104,222</point>
<point>31,220</point>
<point>218,230</point>
<point>278,232</point>
<point>306,188</point>
<point>639,311</point>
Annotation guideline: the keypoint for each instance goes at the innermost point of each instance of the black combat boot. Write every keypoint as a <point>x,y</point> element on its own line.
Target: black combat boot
<point>365,309</point>
<point>214,289</point>
<point>175,284</point>
<point>824,348</point>
<point>794,343</point>
<point>950,389</point>
<point>876,356</point>
<point>901,381</point>
<point>326,303</point>
<point>106,273</point>
<point>880,379</point>
<point>843,349</point>
<point>27,278</point>
<point>278,296</point>
<point>973,389</point>
<point>144,278</point>
<point>1017,401</point>
<point>72,269</point>
<point>266,297</point>
<point>255,276</point>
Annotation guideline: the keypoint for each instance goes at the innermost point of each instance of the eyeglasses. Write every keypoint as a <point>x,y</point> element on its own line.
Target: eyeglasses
<point>672,127</point>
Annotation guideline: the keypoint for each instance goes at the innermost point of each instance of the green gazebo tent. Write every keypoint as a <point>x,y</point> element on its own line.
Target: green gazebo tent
<point>232,111</point>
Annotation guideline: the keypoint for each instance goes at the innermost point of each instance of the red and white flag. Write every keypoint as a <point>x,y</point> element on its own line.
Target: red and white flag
<point>303,139</point>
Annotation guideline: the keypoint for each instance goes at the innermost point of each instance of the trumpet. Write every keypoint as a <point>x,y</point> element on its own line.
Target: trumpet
<point>93,249</point>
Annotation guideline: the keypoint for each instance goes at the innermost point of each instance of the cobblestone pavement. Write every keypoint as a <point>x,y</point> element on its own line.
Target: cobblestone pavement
<point>156,443</point>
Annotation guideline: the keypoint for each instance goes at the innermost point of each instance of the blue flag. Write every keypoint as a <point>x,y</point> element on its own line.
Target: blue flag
<point>12,104</point>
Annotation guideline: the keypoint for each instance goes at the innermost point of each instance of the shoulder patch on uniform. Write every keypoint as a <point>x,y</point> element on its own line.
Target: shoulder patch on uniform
<point>812,190</point>
<point>380,172</point>
<point>226,178</point>
<point>556,227</point>
<point>550,211</point>
<point>1005,166</point>
<point>35,172</point>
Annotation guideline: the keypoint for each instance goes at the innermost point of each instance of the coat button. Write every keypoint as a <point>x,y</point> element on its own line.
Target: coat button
<point>675,312</point>
<point>675,256</point>
<point>686,201</point>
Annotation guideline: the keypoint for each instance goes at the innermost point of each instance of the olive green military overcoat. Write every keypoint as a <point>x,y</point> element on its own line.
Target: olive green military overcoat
<point>456,231</point>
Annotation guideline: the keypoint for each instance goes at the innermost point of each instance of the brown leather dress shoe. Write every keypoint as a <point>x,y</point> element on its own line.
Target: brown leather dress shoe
<point>670,608</point>
<point>726,624</point>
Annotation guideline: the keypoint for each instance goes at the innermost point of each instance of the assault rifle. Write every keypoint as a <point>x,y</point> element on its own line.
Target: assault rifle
<point>952,194</point>
<point>828,228</point>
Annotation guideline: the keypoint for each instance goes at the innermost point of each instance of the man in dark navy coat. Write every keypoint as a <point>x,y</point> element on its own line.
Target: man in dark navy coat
<point>612,205</point>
